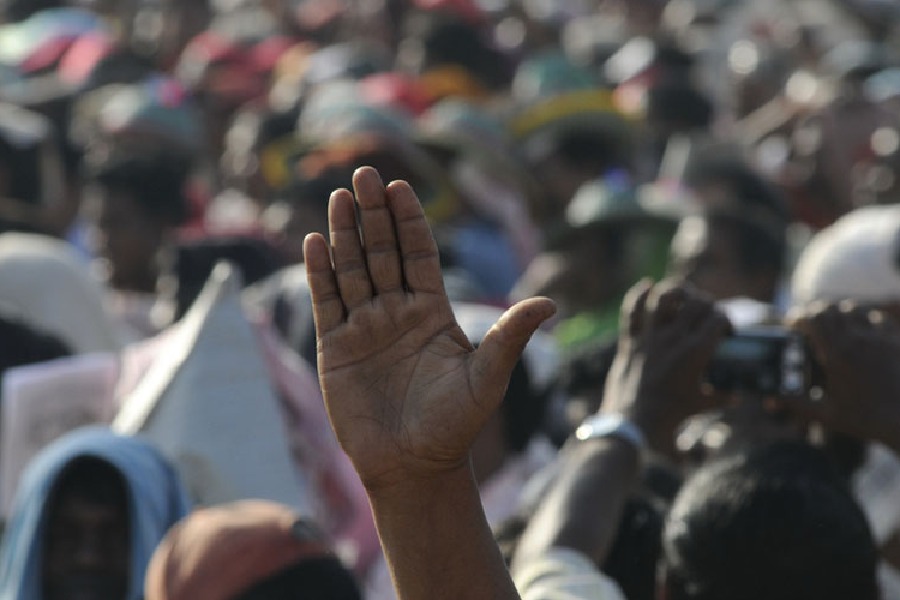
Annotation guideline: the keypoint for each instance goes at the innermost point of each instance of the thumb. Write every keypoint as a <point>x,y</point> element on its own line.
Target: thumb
<point>493,361</point>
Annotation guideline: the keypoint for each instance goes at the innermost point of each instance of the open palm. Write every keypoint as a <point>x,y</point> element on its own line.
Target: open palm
<point>405,390</point>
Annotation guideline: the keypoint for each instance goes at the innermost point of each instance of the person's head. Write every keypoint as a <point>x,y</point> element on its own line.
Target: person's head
<point>726,182</point>
<point>676,107</point>
<point>194,261</point>
<point>565,160</point>
<point>227,72</point>
<point>611,238</point>
<point>86,535</point>
<point>88,511</point>
<point>323,578</point>
<point>730,255</point>
<point>249,550</point>
<point>20,177</point>
<point>45,284</point>
<point>436,39</point>
<point>592,254</point>
<point>568,130</point>
<point>304,210</point>
<point>32,345</point>
<point>136,203</point>
<point>779,523</point>
<point>253,147</point>
<point>843,157</point>
<point>857,258</point>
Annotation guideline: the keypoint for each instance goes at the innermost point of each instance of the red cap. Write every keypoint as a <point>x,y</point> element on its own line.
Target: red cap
<point>218,553</point>
<point>83,56</point>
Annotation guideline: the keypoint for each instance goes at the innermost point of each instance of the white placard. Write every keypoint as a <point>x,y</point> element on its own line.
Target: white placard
<point>44,401</point>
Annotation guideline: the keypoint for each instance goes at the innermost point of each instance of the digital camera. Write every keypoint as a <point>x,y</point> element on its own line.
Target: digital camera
<point>766,361</point>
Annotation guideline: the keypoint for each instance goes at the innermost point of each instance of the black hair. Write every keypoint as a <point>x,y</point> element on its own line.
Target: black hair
<point>25,345</point>
<point>21,167</point>
<point>91,478</point>
<point>585,145</point>
<point>322,578</point>
<point>448,40</point>
<point>779,523</point>
<point>748,188</point>
<point>254,258</point>
<point>262,125</point>
<point>635,551</point>
<point>680,104</point>
<point>156,182</point>
<point>761,245</point>
<point>275,125</point>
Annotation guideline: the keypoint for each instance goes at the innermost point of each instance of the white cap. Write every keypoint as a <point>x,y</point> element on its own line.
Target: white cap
<point>44,283</point>
<point>855,259</point>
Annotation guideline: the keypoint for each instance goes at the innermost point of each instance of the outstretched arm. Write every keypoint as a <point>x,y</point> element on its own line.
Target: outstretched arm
<point>405,390</point>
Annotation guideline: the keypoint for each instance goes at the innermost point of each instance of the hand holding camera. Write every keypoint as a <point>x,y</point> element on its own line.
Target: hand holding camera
<point>668,336</point>
<point>764,361</point>
<point>858,349</point>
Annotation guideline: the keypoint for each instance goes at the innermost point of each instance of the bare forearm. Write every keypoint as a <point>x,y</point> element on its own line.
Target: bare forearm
<point>583,509</point>
<point>437,541</point>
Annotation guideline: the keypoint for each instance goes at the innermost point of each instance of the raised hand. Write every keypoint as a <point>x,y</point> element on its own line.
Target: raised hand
<point>405,390</point>
<point>668,336</point>
<point>858,350</point>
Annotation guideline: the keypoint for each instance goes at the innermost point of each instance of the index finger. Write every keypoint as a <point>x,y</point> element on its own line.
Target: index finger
<point>328,308</point>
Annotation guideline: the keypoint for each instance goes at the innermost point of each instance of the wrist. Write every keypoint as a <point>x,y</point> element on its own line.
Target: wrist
<point>432,526</point>
<point>616,426</point>
<point>410,488</point>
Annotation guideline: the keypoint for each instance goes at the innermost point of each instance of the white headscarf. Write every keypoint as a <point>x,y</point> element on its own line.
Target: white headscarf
<point>46,284</point>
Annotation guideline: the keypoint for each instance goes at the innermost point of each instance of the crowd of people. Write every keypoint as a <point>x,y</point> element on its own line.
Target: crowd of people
<point>601,296</point>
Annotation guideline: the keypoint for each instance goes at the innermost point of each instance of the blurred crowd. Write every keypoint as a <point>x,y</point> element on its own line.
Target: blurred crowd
<point>161,162</point>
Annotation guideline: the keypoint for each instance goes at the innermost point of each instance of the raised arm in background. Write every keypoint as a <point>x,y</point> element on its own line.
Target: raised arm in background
<point>668,335</point>
<point>405,390</point>
<point>858,349</point>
